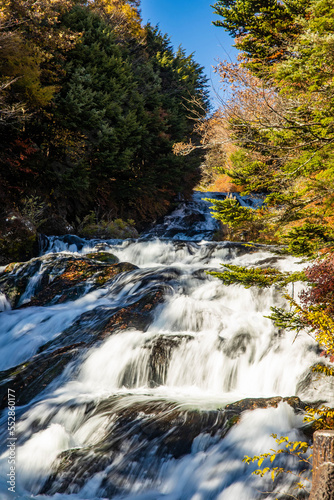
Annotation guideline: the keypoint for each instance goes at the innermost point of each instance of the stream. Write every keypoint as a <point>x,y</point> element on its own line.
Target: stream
<point>136,375</point>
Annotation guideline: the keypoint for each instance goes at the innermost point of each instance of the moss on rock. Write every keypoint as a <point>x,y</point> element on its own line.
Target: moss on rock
<point>105,257</point>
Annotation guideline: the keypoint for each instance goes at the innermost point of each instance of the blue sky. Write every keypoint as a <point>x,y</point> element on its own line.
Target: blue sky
<point>189,23</point>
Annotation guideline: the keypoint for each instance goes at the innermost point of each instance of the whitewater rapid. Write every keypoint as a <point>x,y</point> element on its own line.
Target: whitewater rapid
<point>139,414</point>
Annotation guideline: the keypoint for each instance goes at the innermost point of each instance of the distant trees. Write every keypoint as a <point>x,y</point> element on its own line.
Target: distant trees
<point>30,35</point>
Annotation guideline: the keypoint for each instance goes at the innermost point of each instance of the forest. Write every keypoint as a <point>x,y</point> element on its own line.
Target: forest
<point>92,102</point>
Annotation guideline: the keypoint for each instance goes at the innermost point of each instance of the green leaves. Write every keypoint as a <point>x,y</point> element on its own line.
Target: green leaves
<point>254,276</point>
<point>248,277</point>
<point>107,99</point>
<point>289,320</point>
<point>281,117</point>
<point>262,28</point>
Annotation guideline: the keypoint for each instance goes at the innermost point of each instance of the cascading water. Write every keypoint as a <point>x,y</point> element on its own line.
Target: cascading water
<point>124,380</point>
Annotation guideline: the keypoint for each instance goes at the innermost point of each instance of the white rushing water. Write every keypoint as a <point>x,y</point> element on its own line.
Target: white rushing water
<point>123,411</point>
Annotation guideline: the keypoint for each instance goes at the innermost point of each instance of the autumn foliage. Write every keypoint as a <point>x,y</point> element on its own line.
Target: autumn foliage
<point>91,103</point>
<point>321,290</point>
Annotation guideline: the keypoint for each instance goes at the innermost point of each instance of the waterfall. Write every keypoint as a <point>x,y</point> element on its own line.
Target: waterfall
<point>126,380</point>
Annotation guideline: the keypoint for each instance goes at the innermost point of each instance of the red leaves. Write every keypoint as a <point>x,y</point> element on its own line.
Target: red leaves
<point>27,147</point>
<point>18,152</point>
<point>15,167</point>
<point>321,276</point>
<point>325,354</point>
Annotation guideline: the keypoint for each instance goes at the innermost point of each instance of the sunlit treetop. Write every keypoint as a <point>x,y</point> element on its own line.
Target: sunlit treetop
<point>263,29</point>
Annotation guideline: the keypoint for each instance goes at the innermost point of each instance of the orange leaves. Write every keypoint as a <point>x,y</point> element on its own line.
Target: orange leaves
<point>17,153</point>
<point>224,184</point>
<point>276,55</point>
<point>27,147</point>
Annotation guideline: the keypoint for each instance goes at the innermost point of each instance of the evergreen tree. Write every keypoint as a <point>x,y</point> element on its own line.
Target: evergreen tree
<point>263,29</point>
<point>107,99</point>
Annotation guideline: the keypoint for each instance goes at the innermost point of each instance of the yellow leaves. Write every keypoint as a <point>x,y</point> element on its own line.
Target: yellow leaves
<point>121,13</point>
<point>280,440</point>
<point>323,326</point>
<point>297,449</point>
<point>321,418</point>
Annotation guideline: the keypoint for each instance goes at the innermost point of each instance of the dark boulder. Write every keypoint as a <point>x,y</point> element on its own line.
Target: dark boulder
<point>59,280</point>
<point>55,225</point>
<point>105,257</point>
<point>161,348</point>
<point>148,432</point>
<point>247,404</point>
<point>15,279</point>
<point>71,279</point>
<point>18,239</point>
<point>31,378</point>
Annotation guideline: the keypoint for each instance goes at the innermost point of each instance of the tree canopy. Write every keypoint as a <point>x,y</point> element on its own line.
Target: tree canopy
<point>92,102</point>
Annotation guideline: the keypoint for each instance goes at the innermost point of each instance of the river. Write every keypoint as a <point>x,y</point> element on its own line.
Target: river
<point>124,382</point>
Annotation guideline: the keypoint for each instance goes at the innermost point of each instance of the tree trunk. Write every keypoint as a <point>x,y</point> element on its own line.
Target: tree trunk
<point>323,466</point>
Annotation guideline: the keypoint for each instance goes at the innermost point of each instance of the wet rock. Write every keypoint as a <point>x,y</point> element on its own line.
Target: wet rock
<point>15,279</point>
<point>69,278</point>
<point>145,431</point>
<point>253,403</point>
<point>269,261</point>
<point>137,316</point>
<point>193,218</point>
<point>161,349</point>
<point>234,410</point>
<point>72,239</point>
<point>238,345</point>
<point>30,378</point>
<point>307,387</point>
<point>138,436</point>
<point>102,322</point>
<point>106,257</point>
